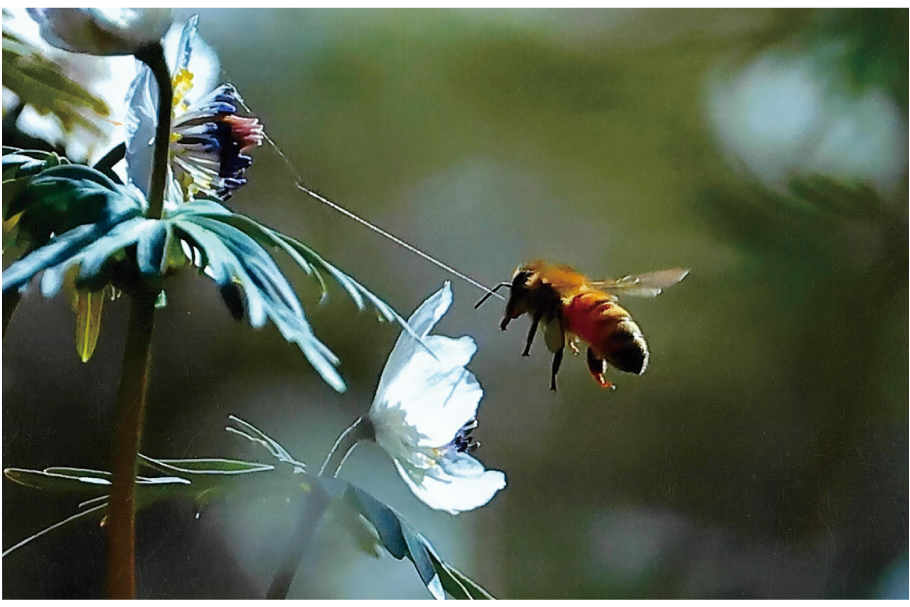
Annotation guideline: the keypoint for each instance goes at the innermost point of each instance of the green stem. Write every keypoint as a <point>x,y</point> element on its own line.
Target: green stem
<point>352,435</point>
<point>315,505</point>
<point>153,56</point>
<point>130,407</point>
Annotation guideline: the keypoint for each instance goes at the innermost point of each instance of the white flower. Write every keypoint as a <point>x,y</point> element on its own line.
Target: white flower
<point>102,31</point>
<point>208,139</point>
<point>424,412</point>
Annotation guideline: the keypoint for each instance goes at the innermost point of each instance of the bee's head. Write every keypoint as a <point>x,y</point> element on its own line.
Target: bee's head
<point>524,279</point>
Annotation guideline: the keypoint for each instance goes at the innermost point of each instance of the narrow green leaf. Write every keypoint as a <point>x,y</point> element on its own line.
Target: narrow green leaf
<point>84,514</point>
<point>205,466</point>
<point>259,437</point>
<point>85,481</point>
<point>88,305</point>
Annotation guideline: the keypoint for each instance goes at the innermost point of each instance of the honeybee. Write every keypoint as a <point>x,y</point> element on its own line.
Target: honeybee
<point>574,309</point>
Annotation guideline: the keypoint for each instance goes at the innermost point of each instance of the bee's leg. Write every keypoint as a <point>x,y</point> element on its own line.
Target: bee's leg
<point>557,360</point>
<point>504,323</point>
<point>531,335</point>
<point>598,367</point>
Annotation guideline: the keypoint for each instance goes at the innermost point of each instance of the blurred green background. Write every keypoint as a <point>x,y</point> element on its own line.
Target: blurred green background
<point>764,453</point>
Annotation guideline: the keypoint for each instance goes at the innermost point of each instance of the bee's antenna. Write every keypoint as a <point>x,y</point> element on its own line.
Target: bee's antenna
<point>492,292</point>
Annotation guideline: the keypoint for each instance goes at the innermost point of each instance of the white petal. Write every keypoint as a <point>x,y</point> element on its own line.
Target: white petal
<point>437,398</point>
<point>102,31</point>
<point>454,494</point>
<point>460,465</point>
<point>141,26</point>
<point>185,49</point>
<point>422,321</point>
<point>141,121</point>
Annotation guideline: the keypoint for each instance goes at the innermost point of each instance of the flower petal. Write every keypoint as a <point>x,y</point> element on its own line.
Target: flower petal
<point>187,50</point>
<point>102,31</point>
<point>141,120</point>
<point>437,395</point>
<point>455,494</point>
<point>422,321</point>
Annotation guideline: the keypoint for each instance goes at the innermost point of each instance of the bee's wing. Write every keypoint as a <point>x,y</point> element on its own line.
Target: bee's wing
<point>651,284</point>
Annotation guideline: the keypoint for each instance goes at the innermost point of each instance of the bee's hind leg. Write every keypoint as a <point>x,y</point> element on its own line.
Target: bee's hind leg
<point>598,368</point>
<point>557,360</point>
<point>531,334</point>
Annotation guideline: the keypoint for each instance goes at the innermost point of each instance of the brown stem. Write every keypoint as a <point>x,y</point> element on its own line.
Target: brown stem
<point>128,414</point>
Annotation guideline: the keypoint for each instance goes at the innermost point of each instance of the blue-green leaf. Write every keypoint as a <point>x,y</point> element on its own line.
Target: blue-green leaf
<point>66,196</point>
<point>21,164</point>
<point>57,251</point>
<point>401,540</point>
<point>234,259</point>
<point>150,249</point>
<point>383,518</point>
<point>457,584</point>
<point>422,562</point>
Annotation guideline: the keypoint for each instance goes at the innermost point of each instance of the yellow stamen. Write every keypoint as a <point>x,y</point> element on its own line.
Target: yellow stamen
<point>183,84</point>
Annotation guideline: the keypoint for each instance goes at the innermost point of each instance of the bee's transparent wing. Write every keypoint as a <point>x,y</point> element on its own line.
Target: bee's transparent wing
<point>651,284</point>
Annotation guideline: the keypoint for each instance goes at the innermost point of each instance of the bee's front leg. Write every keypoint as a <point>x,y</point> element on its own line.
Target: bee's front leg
<point>531,334</point>
<point>557,360</point>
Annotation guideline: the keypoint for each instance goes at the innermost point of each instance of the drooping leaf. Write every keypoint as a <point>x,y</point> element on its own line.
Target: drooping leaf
<point>88,306</point>
<point>151,247</point>
<point>97,227</point>
<point>93,259</point>
<point>310,261</point>
<point>57,251</point>
<point>73,204</point>
<point>235,260</point>
<point>64,196</point>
